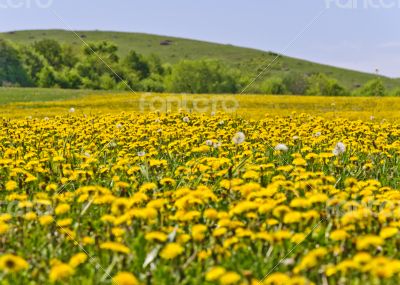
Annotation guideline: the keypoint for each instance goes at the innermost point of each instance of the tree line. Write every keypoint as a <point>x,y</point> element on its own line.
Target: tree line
<point>49,64</point>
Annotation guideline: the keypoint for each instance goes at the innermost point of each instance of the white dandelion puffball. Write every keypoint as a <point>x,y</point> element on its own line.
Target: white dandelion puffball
<point>281,147</point>
<point>186,119</point>
<point>295,138</point>
<point>239,138</point>
<point>141,153</point>
<point>119,126</point>
<point>217,144</point>
<point>317,134</point>
<point>209,142</point>
<point>221,122</point>
<point>339,149</point>
<point>72,110</point>
<point>46,118</point>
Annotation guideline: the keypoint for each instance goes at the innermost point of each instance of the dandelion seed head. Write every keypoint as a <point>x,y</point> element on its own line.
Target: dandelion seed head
<point>281,147</point>
<point>339,149</point>
<point>238,138</point>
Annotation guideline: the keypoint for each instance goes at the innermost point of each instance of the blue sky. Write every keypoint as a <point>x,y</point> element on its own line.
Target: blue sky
<point>365,37</point>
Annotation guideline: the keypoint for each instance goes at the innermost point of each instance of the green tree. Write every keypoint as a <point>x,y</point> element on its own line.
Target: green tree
<point>47,78</point>
<point>155,64</point>
<point>154,83</point>
<point>68,78</point>
<point>203,76</point>
<point>51,50</point>
<point>107,51</point>
<point>69,56</point>
<point>295,82</point>
<point>33,63</point>
<point>274,85</point>
<point>321,84</point>
<point>93,70</point>
<point>11,67</point>
<point>374,87</point>
<point>107,82</point>
<point>137,63</point>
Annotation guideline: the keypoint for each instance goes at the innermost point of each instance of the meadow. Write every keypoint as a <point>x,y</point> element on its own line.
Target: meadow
<point>35,102</point>
<point>183,189</point>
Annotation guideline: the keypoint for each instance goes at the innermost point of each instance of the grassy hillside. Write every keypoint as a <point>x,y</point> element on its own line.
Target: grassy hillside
<point>250,61</point>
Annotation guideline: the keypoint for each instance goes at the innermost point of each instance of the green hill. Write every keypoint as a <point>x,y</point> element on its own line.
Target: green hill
<point>170,49</point>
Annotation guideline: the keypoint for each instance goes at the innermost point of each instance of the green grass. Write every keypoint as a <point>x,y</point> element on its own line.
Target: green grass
<point>250,61</point>
<point>13,95</point>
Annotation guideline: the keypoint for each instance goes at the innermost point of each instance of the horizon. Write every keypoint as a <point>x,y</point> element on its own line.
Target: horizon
<point>361,37</point>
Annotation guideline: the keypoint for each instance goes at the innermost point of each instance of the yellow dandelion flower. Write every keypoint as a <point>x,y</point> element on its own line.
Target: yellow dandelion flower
<point>365,242</point>
<point>77,259</point>
<point>125,278</point>
<point>60,271</point>
<point>115,246</point>
<point>62,209</point>
<point>88,240</point>
<point>388,232</point>
<point>171,251</point>
<point>339,235</point>
<point>198,232</point>
<point>229,278</point>
<point>277,279</point>
<point>10,263</point>
<point>46,220</point>
<point>215,273</point>
<point>158,236</point>
<point>3,228</point>
<point>11,185</point>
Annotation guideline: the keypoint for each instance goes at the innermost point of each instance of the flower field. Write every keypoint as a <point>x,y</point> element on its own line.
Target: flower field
<point>188,198</point>
<point>41,103</point>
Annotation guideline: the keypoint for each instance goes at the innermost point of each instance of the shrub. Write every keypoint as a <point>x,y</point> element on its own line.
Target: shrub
<point>395,92</point>
<point>296,83</point>
<point>373,87</point>
<point>202,76</point>
<point>274,85</point>
<point>320,84</point>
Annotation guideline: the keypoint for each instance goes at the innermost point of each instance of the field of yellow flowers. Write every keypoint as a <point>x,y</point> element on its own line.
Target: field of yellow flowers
<point>189,198</point>
<point>247,106</point>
